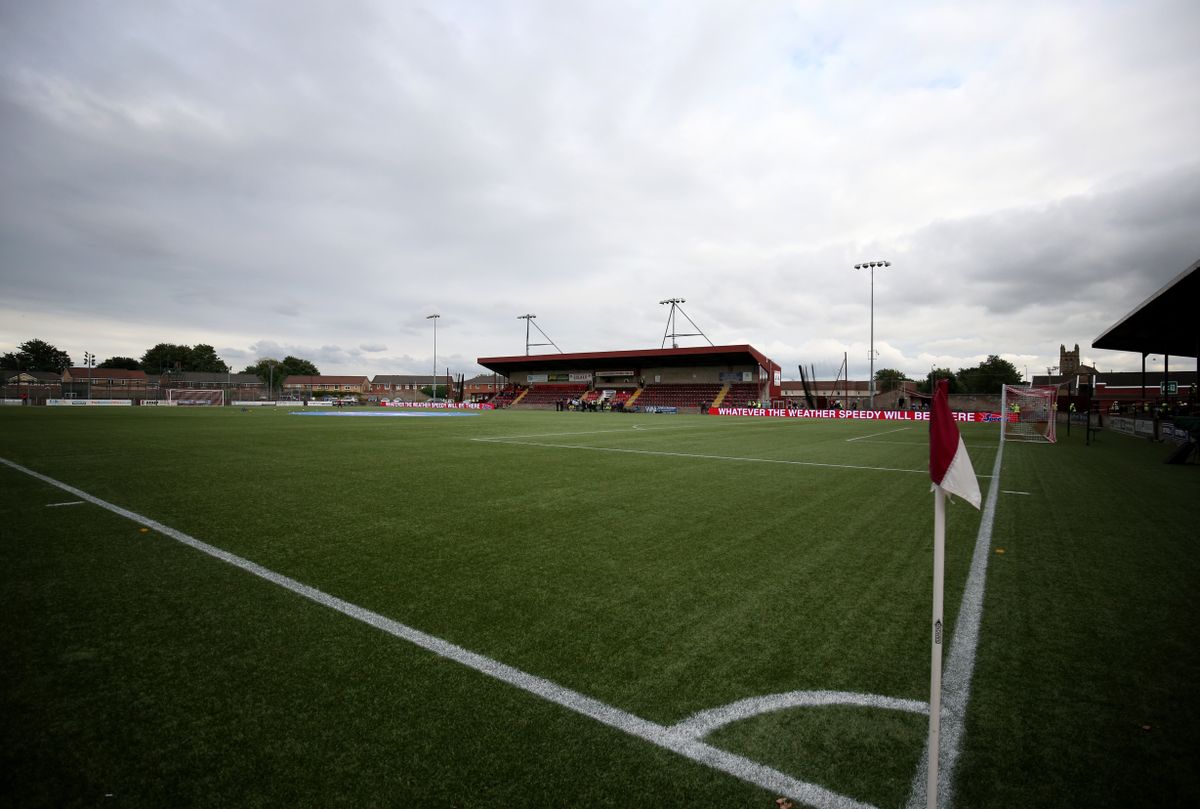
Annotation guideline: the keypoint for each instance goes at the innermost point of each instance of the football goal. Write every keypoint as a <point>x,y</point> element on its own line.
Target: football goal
<point>1030,413</point>
<point>195,397</point>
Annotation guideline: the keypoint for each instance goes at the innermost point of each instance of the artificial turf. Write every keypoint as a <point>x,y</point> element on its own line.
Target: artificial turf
<point>661,564</point>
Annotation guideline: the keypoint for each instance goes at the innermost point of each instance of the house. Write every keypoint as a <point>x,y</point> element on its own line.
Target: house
<point>483,386</point>
<point>34,378</point>
<point>406,387</point>
<point>209,380</point>
<point>306,386</point>
<point>106,378</point>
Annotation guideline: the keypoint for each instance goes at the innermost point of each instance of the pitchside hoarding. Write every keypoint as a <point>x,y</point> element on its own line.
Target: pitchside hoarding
<point>852,415</point>
<point>443,405</point>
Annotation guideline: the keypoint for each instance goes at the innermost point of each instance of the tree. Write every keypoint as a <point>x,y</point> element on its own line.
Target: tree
<point>126,363</point>
<point>273,371</point>
<point>938,373</point>
<point>172,357</point>
<point>36,355</point>
<point>988,376</point>
<point>166,357</point>
<point>440,393</point>
<point>888,379</point>
<point>204,359</point>
<point>298,367</point>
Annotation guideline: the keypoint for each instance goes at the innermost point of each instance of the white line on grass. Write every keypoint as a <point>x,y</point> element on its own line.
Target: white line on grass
<point>637,427</point>
<point>738,766</point>
<point>68,503</point>
<point>872,435</point>
<point>697,455</point>
<point>960,666</point>
<point>925,443</point>
<point>700,724</point>
<point>1006,491</point>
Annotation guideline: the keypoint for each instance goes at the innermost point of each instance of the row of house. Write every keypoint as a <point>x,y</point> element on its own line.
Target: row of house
<point>107,382</point>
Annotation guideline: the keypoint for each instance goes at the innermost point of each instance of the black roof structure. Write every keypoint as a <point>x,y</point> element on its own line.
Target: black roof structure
<point>607,360</point>
<point>1165,323</point>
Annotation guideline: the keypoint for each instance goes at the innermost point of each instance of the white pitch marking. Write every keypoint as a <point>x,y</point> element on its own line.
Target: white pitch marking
<point>698,455</point>
<point>1006,491</point>
<point>700,724</point>
<point>872,435</point>
<point>68,503</point>
<point>980,447</point>
<point>738,766</point>
<point>582,432</point>
<point>960,665</point>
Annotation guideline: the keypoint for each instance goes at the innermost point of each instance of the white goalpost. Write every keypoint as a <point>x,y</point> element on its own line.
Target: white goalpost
<point>195,397</point>
<point>1029,413</point>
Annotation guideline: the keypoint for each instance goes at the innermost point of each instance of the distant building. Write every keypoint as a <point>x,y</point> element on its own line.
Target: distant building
<point>306,386</point>
<point>409,387</point>
<point>209,380</point>
<point>1075,379</point>
<point>106,378</point>
<point>483,386</point>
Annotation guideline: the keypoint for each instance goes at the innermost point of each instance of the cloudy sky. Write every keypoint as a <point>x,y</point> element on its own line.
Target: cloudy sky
<point>314,178</point>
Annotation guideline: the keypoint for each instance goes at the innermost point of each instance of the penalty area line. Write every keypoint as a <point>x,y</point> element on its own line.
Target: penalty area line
<point>662,736</point>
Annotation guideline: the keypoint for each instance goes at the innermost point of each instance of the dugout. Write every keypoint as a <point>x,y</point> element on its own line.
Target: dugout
<point>667,377</point>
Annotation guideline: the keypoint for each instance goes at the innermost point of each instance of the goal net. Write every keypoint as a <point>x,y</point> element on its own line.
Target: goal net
<point>1030,413</point>
<point>195,397</point>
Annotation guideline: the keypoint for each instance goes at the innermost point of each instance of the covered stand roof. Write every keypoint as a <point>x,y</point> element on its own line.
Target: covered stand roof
<point>1165,323</point>
<point>629,360</point>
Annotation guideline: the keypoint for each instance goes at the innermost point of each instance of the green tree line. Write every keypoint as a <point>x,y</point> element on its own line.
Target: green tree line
<point>38,355</point>
<point>986,377</point>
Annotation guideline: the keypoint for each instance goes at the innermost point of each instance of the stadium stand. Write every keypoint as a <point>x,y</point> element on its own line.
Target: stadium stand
<point>551,392</point>
<point>679,395</point>
<point>507,396</point>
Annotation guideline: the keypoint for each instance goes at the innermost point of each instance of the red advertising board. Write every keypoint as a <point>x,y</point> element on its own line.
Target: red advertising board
<point>852,415</point>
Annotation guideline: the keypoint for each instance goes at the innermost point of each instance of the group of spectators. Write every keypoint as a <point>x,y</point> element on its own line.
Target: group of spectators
<point>595,406</point>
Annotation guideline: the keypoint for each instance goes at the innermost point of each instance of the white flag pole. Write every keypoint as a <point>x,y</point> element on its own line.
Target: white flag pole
<point>935,663</point>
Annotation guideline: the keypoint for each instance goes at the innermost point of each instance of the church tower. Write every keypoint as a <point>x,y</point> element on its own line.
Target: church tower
<point>1068,361</point>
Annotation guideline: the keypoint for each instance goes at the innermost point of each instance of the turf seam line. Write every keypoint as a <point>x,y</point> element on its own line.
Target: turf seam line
<point>960,664</point>
<point>662,736</point>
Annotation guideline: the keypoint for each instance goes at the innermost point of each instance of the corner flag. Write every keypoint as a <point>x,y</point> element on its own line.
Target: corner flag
<point>949,465</point>
<point>951,472</point>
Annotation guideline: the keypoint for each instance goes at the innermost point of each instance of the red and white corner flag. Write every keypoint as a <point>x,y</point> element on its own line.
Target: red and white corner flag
<point>951,472</point>
<point>949,465</point>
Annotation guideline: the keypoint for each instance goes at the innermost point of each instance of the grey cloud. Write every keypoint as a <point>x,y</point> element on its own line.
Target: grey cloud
<point>297,183</point>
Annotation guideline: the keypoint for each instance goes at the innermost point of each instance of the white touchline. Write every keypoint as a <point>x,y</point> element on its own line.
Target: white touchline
<point>1006,491</point>
<point>68,503</point>
<point>960,665</point>
<point>872,435</point>
<point>678,742</point>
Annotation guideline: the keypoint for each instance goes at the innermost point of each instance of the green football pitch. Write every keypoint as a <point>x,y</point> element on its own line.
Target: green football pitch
<point>226,607</point>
